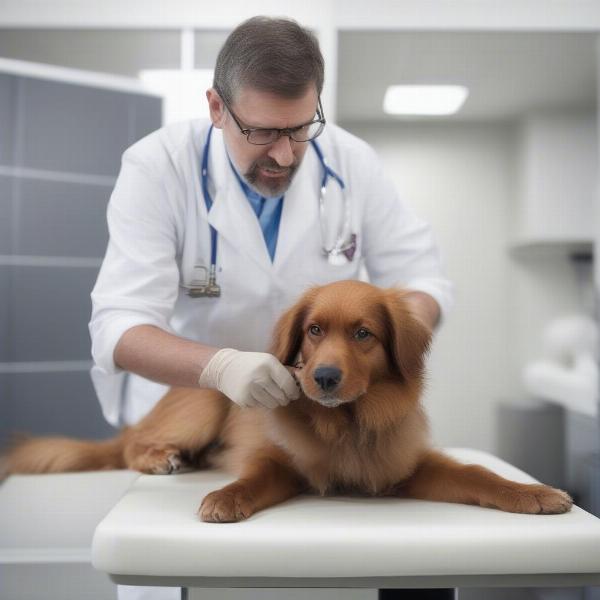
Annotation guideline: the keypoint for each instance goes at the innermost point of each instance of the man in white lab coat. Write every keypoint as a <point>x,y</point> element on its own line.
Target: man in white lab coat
<point>240,198</point>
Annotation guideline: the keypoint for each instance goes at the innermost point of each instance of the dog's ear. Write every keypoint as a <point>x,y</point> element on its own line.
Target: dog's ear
<point>288,333</point>
<point>408,339</point>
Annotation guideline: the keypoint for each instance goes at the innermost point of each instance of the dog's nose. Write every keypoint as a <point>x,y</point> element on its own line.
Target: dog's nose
<point>327,378</point>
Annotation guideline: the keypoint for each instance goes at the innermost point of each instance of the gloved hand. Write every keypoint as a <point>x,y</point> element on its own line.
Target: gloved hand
<point>250,378</point>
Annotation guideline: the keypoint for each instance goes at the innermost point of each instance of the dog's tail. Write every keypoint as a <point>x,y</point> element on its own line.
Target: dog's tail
<point>60,454</point>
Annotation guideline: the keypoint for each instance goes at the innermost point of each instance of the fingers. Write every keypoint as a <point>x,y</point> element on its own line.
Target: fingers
<point>261,398</point>
<point>285,381</point>
<point>269,394</point>
<point>273,391</point>
<point>250,378</point>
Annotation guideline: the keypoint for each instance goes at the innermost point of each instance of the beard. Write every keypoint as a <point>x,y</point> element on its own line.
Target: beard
<point>270,187</point>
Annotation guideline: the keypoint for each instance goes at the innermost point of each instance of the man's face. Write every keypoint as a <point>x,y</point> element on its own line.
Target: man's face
<point>267,169</point>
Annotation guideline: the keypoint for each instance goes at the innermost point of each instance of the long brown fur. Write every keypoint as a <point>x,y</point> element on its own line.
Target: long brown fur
<point>368,436</point>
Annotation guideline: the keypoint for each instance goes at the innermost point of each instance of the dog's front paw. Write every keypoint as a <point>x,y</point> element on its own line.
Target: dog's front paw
<point>228,505</point>
<point>535,499</point>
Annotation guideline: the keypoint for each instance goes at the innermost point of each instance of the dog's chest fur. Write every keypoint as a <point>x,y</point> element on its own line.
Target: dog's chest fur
<point>336,455</point>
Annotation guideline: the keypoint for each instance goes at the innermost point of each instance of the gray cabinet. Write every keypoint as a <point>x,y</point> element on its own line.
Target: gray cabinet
<point>60,149</point>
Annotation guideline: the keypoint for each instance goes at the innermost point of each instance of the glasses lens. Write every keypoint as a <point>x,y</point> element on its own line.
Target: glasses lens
<point>261,137</point>
<point>308,132</point>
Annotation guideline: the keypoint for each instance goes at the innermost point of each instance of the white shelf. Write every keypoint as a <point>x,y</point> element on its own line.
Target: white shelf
<point>540,248</point>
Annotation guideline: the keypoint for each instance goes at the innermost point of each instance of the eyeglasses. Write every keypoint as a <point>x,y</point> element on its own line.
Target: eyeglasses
<point>261,136</point>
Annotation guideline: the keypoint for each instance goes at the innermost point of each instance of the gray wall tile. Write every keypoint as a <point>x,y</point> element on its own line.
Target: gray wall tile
<point>51,310</point>
<point>6,214</point>
<point>6,338</point>
<point>44,311</point>
<point>57,403</point>
<point>62,219</point>
<point>5,408</point>
<point>147,116</point>
<point>7,118</point>
<point>72,128</point>
<point>207,45</point>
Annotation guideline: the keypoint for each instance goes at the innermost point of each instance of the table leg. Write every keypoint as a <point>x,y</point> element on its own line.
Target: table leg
<point>417,594</point>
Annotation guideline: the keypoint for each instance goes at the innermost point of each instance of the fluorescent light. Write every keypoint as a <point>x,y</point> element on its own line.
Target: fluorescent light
<point>424,99</point>
<point>183,91</point>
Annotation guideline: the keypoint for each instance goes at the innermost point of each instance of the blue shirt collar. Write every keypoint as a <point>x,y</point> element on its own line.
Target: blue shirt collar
<point>252,195</point>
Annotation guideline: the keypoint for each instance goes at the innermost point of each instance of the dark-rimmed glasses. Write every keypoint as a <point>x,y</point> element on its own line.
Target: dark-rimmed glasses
<point>262,136</point>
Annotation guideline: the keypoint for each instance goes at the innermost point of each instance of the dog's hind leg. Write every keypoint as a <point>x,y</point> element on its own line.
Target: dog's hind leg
<point>439,477</point>
<point>174,434</point>
<point>267,478</point>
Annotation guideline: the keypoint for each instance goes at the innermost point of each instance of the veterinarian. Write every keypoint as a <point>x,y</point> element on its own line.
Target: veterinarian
<point>216,227</point>
<point>273,200</point>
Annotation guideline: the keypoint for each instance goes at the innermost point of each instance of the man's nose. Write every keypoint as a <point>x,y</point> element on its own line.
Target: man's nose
<point>282,151</point>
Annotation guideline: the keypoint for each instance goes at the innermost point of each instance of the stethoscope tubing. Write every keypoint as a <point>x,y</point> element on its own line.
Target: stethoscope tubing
<point>208,200</point>
<point>328,172</point>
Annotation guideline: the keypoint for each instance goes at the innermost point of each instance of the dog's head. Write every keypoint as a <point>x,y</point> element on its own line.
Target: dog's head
<point>348,336</point>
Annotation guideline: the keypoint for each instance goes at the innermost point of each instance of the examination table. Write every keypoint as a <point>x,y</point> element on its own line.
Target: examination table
<point>152,536</point>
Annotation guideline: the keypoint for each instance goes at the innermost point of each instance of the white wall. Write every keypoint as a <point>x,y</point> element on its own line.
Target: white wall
<point>557,180</point>
<point>463,180</point>
<point>459,178</point>
<point>553,215</point>
<point>597,204</point>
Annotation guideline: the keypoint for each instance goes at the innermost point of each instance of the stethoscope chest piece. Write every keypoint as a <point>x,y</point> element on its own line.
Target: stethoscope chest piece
<point>204,291</point>
<point>342,253</point>
<point>203,287</point>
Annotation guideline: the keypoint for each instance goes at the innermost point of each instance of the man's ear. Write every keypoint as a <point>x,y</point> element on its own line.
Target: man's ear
<point>216,108</point>
<point>408,338</point>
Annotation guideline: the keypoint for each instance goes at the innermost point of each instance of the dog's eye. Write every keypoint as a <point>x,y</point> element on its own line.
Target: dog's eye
<point>362,334</point>
<point>315,330</point>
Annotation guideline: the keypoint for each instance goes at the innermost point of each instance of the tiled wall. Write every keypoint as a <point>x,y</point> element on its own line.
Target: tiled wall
<point>60,151</point>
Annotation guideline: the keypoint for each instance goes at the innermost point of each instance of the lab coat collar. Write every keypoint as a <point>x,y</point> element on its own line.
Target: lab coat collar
<point>300,211</point>
<point>233,218</point>
<point>231,214</point>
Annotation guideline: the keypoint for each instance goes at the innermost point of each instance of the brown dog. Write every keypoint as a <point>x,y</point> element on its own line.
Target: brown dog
<point>358,426</point>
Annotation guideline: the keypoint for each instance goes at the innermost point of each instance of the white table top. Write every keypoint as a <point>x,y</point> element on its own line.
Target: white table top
<point>153,532</point>
<point>52,518</point>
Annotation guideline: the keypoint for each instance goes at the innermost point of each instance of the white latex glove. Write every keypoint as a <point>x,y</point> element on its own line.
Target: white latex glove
<point>250,378</point>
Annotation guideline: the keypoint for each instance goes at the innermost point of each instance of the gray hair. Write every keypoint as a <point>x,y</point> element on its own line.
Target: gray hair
<point>269,55</point>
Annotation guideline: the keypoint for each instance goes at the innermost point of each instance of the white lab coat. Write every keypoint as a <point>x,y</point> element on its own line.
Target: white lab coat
<point>158,225</point>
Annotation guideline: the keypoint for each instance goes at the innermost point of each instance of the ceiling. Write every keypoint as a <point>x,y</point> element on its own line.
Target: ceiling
<point>508,74</point>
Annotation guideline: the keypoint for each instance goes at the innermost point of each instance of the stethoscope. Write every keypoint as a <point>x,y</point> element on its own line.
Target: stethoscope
<point>340,252</point>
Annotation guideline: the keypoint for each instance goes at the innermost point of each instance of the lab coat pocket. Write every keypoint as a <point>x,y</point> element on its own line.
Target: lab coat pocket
<point>322,271</point>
